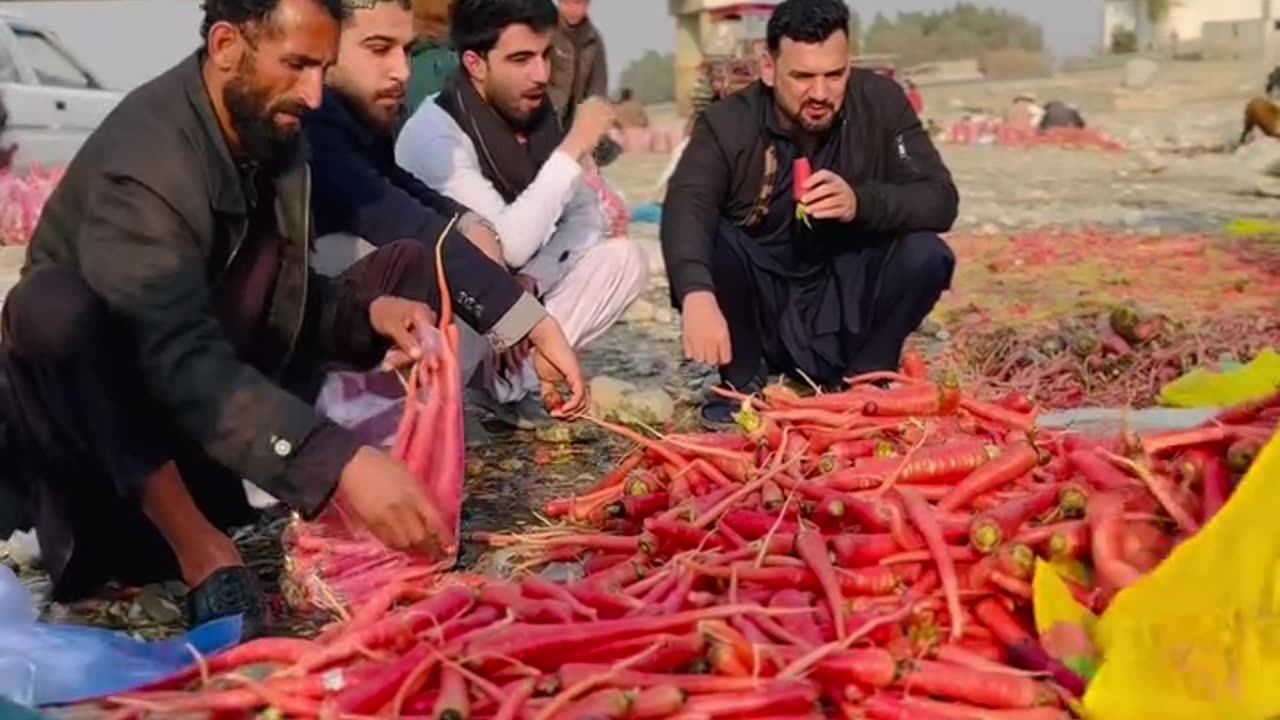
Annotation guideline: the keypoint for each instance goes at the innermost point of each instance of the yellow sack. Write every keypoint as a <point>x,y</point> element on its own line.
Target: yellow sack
<point>1201,388</point>
<point>1200,636</point>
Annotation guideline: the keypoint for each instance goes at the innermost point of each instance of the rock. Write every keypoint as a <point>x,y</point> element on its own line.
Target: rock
<point>1139,72</point>
<point>607,394</point>
<point>22,549</point>
<point>663,316</point>
<point>1151,161</point>
<point>157,607</point>
<point>930,328</point>
<point>650,407</point>
<point>640,311</point>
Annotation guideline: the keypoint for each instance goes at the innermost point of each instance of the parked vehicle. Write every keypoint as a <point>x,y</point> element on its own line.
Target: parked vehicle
<point>53,100</point>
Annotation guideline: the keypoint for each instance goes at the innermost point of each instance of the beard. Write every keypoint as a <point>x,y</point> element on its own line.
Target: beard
<point>810,125</point>
<point>508,106</point>
<point>252,114</point>
<point>380,112</point>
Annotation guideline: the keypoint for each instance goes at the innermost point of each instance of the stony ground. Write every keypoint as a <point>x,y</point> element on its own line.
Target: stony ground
<point>1150,189</point>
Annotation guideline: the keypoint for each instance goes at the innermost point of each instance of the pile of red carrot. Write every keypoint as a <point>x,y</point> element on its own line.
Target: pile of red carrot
<point>863,554</point>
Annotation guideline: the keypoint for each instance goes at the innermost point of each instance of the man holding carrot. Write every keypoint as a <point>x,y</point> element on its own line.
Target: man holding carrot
<point>167,331</point>
<point>821,277</point>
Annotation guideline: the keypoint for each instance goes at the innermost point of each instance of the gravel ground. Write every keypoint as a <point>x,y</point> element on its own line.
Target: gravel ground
<point>1002,189</point>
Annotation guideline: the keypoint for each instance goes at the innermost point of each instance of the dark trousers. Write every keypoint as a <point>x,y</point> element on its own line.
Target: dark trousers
<point>86,438</point>
<point>853,319</point>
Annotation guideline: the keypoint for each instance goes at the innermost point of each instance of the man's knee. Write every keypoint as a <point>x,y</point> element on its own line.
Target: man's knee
<point>924,259</point>
<point>403,268</point>
<point>52,313</point>
<point>624,260</point>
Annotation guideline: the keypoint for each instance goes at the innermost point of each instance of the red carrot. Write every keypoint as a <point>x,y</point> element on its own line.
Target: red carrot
<point>957,711</point>
<point>517,695</point>
<point>994,413</point>
<point>811,548</point>
<point>863,549</point>
<point>913,365</point>
<point>1247,411</point>
<point>925,399</point>
<point>801,171</point>
<point>992,528</point>
<point>988,689</point>
<point>1098,471</point>
<point>1211,472</point>
<point>1009,465</point>
<point>1023,648</point>
<point>772,699</point>
<point>453,703</point>
<point>870,667</point>
<point>657,702</point>
<point>802,625</point>
<point>922,516</point>
<point>1160,443</point>
<point>928,465</point>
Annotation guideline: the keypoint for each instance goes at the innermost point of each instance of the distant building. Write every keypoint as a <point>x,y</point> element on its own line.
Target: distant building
<point>1214,28</point>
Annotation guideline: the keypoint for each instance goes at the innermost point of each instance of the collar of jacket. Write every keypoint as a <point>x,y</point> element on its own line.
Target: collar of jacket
<point>337,114</point>
<point>226,191</point>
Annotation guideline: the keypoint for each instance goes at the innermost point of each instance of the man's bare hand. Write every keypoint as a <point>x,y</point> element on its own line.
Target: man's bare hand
<point>706,334</point>
<point>591,121</point>
<point>556,364</point>
<point>828,197</point>
<point>399,320</point>
<point>386,499</point>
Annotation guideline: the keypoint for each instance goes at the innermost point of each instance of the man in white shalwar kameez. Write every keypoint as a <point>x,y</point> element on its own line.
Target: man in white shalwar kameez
<point>492,141</point>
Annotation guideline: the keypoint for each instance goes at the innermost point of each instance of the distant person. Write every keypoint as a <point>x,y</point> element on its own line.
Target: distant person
<point>762,293</point>
<point>628,113</point>
<point>433,60</point>
<point>578,66</point>
<point>492,141</point>
<point>1058,114</point>
<point>6,151</point>
<point>1273,84</point>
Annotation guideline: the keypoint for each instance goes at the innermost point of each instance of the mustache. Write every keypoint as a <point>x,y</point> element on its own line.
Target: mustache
<point>394,92</point>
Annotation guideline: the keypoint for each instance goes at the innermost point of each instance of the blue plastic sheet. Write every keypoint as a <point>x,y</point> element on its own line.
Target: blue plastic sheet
<point>49,664</point>
<point>650,213</point>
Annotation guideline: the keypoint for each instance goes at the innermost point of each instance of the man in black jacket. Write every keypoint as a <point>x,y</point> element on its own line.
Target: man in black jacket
<point>831,290</point>
<point>167,329</point>
<point>361,193</point>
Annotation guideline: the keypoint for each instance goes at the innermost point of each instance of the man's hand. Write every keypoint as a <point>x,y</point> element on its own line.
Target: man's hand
<point>511,360</point>
<point>828,197</point>
<point>591,121</point>
<point>386,499</point>
<point>399,320</point>
<point>706,334</point>
<point>483,236</point>
<point>556,363</point>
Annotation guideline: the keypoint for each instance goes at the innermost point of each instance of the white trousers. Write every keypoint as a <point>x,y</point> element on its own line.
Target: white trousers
<point>587,301</point>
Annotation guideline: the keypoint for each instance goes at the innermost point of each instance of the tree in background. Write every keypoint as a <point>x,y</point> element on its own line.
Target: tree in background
<point>961,32</point>
<point>652,77</point>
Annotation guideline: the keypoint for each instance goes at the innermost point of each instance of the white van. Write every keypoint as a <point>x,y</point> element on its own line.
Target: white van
<point>53,100</point>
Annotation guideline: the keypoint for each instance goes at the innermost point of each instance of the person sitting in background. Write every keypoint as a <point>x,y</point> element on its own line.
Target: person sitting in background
<point>166,336</point>
<point>360,196</point>
<point>836,295</point>
<point>629,113</point>
<point>432,59</point>
<point>492,141</point>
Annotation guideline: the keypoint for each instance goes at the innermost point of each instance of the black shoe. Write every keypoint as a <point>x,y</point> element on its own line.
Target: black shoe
<point>717,411</point>
<point>229,591</point>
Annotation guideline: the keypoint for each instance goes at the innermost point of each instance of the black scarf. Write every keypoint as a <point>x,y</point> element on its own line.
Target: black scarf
<point>507,163</point>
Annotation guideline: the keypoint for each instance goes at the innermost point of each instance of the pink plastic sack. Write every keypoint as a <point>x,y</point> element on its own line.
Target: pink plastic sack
<point>333,562</point>
<point>22,198</point>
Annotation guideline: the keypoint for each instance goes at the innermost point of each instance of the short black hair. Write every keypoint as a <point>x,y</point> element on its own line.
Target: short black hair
<point>806,21</point>
<point>349,7</point>
<point>246,12</point>
<point>477,24</point>
<point>626,94</point>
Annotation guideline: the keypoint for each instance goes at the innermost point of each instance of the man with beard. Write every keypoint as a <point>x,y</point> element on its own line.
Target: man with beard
<point>492,141</point>
<point>832,291</point>
<point>167,331</point>
<point>361,198</point>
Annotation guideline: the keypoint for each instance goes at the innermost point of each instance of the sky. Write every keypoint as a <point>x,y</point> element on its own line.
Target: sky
<point>127,41</point>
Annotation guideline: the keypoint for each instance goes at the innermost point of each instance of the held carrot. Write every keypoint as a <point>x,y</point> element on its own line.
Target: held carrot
<point>1013,462</point>
<point>801,171</point>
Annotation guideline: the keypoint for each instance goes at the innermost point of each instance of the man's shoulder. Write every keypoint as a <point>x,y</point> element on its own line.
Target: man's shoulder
<point>737,112</point>
<point>429,124</point>
<point>874,90</point>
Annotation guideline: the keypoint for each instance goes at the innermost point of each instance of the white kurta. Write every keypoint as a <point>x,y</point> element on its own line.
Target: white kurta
<point>553,232</point>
